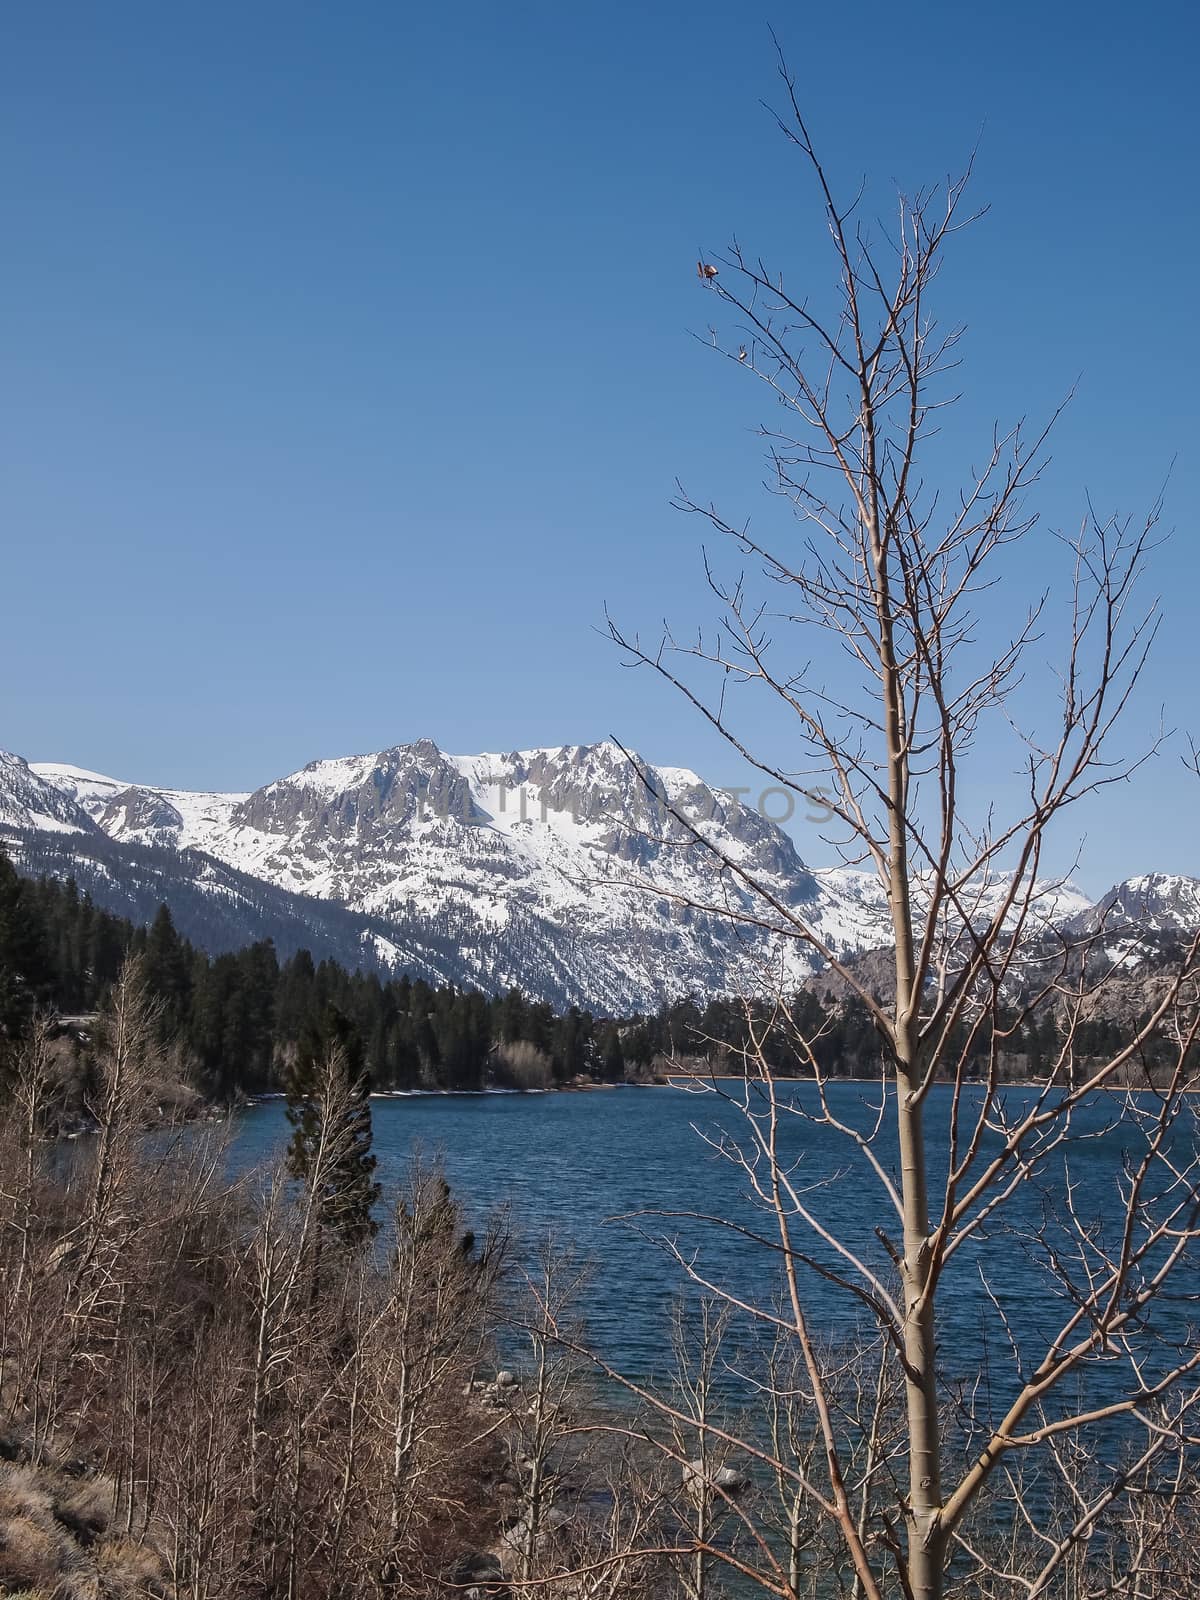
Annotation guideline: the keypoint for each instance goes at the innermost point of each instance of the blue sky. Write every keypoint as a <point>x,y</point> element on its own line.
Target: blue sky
<point>347,369</point>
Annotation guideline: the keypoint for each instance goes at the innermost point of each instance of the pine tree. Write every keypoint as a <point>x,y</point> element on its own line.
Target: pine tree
<point>568,1053</point>
<point>294,999</point>
<point>612,1061</point>
<point>167,972</point>
<point>25,973</point>
<point>512,1016</point>
<point>328,1106</point>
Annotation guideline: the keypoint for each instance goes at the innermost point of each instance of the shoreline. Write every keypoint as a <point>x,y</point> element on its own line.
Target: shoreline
<point>275,1095</point>
<point>678,1081</point>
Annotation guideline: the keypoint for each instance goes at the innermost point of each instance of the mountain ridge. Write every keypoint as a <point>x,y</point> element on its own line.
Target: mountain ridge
<point>574,872</point>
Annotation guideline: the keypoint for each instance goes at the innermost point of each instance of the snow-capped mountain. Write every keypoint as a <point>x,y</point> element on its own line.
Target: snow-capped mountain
<point>573,872</point>
<point>1140,918</point>
<point>562,870</point>
<point>1162,902</point>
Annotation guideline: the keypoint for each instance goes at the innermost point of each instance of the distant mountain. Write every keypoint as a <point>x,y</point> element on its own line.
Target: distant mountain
<point>1161,902</point>
<point>559,870</point>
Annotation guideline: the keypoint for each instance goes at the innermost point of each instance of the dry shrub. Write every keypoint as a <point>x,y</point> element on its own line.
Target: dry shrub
<point>129,1568</point>
<point>85,1506</point>
<point>34,1549</point>
<point>521,1065</point>
<point>55,1539</point>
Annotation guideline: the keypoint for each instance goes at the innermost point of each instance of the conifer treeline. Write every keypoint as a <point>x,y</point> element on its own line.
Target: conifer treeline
<point>241,1016</point>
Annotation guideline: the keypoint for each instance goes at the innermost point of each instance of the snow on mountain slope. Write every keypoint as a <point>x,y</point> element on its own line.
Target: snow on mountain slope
<point>175,817</point>
<point>92,790</point>
<point>29,800</point>
<point>560,870</point>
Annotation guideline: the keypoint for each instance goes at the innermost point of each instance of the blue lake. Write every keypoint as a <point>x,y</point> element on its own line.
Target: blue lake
<point>568,1164</point>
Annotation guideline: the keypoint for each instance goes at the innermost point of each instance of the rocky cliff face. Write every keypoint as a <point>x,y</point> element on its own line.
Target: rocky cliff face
<point>141,814</point>
<point>575,872</point>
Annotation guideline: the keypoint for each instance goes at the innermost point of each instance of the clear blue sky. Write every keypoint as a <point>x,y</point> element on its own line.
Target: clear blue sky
<point>346,369</point>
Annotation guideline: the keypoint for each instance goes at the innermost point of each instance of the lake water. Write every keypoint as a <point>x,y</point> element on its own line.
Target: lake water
<point>569,1164</point>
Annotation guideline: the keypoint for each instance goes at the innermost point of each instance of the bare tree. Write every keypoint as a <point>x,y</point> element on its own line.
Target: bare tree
<point>698,1369</point>
<point>126,1071</point>
<point>31,1092</point>
<point>541,1414</point>
<point>284,1262</point>
<point>887,570</point>
<point>422,1352</point>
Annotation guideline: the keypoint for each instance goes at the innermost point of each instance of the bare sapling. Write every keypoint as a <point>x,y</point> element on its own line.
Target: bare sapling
<point>890,625</point>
